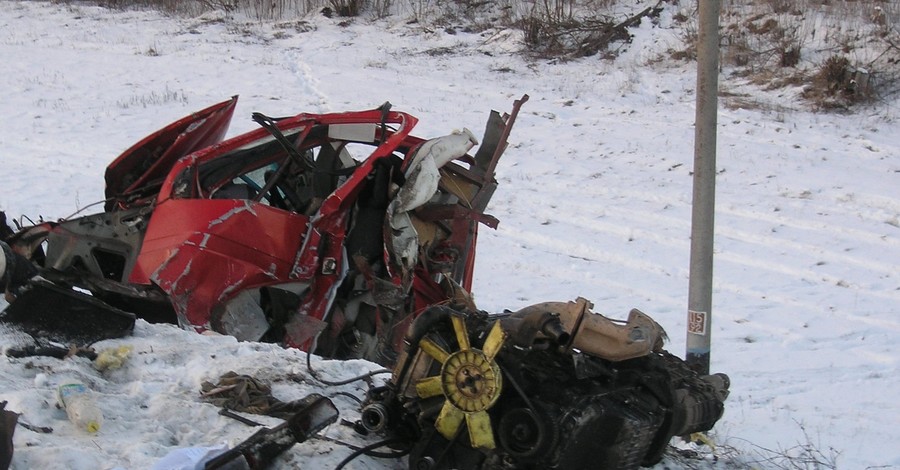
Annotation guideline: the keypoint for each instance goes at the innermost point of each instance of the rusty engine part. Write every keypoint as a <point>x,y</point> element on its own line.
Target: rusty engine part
<point>536,389</point>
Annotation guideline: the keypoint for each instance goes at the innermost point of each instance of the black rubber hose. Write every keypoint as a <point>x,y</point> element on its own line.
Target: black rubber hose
<point>367,449</point>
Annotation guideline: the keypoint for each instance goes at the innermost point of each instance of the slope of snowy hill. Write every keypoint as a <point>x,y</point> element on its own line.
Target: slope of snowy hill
<point>594,201</point>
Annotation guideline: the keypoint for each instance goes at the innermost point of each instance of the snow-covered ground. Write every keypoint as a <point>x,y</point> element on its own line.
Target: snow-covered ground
<point>594,201</point>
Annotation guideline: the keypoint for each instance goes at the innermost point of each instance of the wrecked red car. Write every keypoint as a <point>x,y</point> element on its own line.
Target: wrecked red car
<point>346,235</point>
<point>344,223</point>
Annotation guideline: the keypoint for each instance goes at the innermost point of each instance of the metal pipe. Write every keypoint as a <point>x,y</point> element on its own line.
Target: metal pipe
<point>699,320</point>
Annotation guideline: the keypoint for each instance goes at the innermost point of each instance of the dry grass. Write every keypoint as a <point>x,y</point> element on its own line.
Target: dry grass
<point>841,53</point>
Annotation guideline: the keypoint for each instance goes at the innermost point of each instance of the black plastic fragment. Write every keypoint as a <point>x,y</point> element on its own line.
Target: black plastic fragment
<point>45,310</point>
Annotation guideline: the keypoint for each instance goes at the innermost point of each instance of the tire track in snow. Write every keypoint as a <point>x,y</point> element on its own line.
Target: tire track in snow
<point>770,300</point>
<point>591,219</point>
<point>879,322</point>
<point>584,251</point>
<point>763,219</point>
<point>565,276</point>
<point>810,225</point>
<point>825,257</point>
<point>836,260</point>
<point>822,253</point>
<point>615,218</point>
<point>596,261</point>
<point>626,222</point>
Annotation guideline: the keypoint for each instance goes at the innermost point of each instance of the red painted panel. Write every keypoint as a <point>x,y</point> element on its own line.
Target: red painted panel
<point>152,157</point>
<point>203,251</point>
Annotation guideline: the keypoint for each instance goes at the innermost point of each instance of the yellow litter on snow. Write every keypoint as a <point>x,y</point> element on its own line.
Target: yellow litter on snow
<point>112,358</point>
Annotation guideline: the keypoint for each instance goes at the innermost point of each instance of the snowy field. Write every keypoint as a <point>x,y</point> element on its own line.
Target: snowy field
<point>594,201</point>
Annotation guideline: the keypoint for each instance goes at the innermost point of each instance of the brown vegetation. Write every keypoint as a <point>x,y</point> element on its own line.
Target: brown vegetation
<point>839,52</point>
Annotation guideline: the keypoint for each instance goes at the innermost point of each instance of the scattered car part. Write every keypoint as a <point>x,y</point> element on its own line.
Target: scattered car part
<point>59,314</point>
<point>42,347</point>
<point>512,391</point>
<point>244,393</point>
<point>260,449</point>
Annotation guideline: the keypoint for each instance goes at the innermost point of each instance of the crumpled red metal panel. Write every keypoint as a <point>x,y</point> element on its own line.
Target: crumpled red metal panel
<point>153,156</point>
<point>202,252</point>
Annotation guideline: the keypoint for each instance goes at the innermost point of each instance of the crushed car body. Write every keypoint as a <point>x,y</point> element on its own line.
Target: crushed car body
<point>345,235</point>
<point>344,224</point>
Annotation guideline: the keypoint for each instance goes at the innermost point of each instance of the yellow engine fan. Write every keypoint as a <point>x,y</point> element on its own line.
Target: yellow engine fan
<point>470,381</point>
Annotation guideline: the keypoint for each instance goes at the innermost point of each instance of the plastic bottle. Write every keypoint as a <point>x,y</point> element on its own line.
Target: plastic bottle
<point>78,401</point>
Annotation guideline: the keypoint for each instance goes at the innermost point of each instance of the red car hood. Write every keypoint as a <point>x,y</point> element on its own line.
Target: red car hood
<point>138,172</point>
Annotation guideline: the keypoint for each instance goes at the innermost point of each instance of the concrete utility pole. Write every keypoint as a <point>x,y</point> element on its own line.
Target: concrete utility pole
<point>699,321</point>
